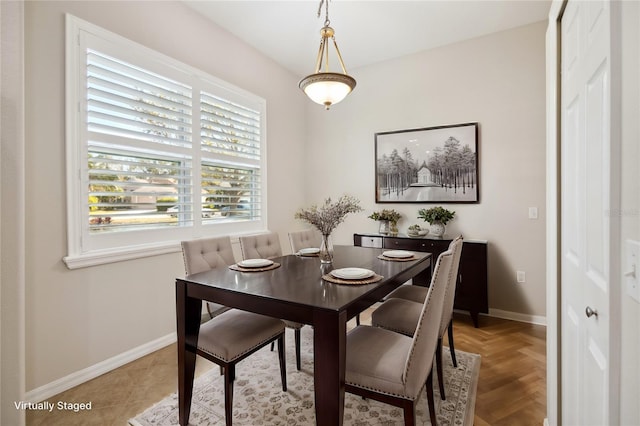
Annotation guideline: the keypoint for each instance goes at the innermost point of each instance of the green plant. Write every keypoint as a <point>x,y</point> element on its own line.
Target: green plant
<point>436,214</point>
<point>386,214</point>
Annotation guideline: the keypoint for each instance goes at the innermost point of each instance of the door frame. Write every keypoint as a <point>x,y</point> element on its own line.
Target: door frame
<point>553,225</point>
<point>13,212</point>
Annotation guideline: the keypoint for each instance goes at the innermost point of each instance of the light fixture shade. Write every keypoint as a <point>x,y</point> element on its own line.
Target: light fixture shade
<point>327,88</point>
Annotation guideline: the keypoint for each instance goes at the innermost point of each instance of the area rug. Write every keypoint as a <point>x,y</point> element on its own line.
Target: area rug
<point>259,400</point>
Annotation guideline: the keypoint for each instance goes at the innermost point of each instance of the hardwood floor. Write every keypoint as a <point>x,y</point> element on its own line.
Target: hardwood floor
<point>512,383</point>
<point>511,388</point>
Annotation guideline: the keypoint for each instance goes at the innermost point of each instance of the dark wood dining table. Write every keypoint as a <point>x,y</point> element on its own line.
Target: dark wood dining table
<point>294,291</point>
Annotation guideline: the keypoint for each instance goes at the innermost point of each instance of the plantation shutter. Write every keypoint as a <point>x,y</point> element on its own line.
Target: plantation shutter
<point>139,127</point>
<point>230,142</point>
<point>128,101</point>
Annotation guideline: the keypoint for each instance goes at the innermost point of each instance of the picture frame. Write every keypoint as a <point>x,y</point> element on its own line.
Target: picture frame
<point>428,165</point>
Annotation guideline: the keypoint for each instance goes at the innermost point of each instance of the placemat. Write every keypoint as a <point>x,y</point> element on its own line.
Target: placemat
<point>397,259</point>
<point>335,280</point>
<point>237,267</point>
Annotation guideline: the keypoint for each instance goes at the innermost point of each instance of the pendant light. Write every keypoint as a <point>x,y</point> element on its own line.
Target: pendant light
<point>326,87</point>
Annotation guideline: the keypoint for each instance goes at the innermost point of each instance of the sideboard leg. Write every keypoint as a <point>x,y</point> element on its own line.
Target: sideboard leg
<point>474,318</point>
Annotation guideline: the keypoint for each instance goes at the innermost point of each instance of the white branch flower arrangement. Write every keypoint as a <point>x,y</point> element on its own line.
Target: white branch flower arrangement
<point>329,215</point>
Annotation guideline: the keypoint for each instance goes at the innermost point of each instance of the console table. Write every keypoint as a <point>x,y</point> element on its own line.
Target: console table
<point>471,288</point>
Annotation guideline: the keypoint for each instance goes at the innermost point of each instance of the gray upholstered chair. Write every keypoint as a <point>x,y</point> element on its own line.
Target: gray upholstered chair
<point>233,335</point>
<point>401,310</point>
<point>207,253</point>
<point>306,238</point>
<point>393,368</point>
<point>265,246</point>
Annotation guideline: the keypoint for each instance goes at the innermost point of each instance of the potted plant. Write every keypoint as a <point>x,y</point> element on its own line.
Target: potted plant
<point>437,218</point>
<point>388,219</point>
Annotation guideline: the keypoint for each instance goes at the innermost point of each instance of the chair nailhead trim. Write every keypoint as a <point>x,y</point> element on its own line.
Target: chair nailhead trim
<point>242,353</point>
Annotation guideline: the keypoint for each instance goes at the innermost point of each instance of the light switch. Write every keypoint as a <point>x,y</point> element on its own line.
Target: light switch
<point>631,269</point>
<point>533,212</point>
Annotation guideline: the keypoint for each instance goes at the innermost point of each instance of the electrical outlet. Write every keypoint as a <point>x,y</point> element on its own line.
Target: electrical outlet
<point>631,269</point>
<point>520,276</point>
<point>533,212</point>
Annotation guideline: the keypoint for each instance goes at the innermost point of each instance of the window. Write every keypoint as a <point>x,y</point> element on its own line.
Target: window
<point>157,151</point>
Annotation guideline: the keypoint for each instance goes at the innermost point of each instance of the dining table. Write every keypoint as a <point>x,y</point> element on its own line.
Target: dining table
<point>294,290</point>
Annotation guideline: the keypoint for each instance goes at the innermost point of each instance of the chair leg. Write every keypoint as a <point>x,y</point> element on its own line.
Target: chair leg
<point>297,337</point>
<point>283,366</point>
<point>272,346</point>
<point>358,319</point>
<point>430,402</point>
<point>439,368</point>
<point>229,376</point>
<point>409,408</point>
<point>451,348</point>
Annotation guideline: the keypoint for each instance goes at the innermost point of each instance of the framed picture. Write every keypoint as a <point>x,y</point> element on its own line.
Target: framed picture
<point>430,165</point>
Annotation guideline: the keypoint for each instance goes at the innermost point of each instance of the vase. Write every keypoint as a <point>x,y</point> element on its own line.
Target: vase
<point>393,228</point>
<point>326,249</point>
<point>436,230</point>
<point>384,227</point>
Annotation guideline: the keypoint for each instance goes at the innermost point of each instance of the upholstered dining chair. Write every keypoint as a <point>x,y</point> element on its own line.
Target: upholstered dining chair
<point>393,368</point>
<point>400,311</point>
<point>306,238</point>
<point>265,246</point>
<point>207,253</point>
<point>233,335</point>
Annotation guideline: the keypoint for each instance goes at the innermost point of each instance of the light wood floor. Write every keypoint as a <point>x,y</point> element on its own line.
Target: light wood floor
<point>511,388</point>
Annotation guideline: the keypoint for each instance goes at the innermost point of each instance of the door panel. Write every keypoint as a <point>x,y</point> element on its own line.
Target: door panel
<point>585,203</point>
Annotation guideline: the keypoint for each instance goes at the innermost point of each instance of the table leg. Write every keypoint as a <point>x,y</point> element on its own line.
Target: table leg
<point>188,326</point>
<point>329,349</point>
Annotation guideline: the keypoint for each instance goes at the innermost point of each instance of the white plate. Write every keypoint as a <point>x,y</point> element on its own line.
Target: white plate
<point>398,253</point>
<point>352,273</point>
<point>309,250</point>
<point>255,263</point>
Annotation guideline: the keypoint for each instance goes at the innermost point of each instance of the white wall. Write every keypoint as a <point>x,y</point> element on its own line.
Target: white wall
<point>498,81</point>
<point>630,209</point>
<point>76,319</point>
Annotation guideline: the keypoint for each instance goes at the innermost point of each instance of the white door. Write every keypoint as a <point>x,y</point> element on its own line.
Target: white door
<point>586,203</point>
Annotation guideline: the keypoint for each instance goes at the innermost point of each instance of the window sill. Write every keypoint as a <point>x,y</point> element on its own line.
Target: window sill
<point>102,257</point>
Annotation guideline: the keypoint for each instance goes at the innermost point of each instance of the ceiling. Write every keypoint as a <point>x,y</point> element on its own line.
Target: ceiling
<point>366,31</point>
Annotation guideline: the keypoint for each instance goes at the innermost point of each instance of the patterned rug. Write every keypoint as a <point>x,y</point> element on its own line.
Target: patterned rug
<point>259,400</point>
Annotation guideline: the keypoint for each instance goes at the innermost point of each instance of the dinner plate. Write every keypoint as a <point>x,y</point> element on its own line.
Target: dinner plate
<point>352,273</point>
<point>397,253</point>
<point>309,250</point>
<point>255,263</point>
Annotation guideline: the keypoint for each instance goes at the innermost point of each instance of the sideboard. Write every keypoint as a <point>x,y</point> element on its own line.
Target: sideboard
<point>471,288</point>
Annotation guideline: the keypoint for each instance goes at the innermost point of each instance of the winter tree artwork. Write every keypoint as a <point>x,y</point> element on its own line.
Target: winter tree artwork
<point>430,165</point>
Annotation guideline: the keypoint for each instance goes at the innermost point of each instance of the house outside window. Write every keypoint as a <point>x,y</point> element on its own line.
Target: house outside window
<point>157,151</point>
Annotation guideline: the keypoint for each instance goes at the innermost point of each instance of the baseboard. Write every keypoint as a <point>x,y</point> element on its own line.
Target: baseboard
<point>82,376</point>
<point>516,316</point>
